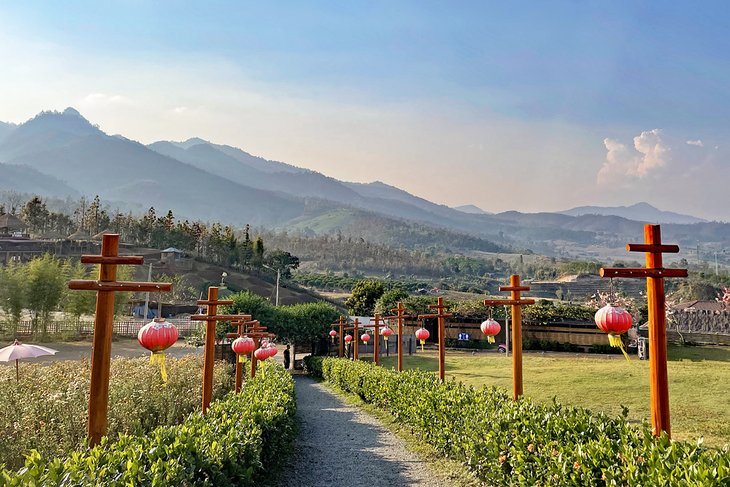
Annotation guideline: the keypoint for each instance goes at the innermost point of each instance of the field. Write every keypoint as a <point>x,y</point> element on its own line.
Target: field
<point>698,383</point>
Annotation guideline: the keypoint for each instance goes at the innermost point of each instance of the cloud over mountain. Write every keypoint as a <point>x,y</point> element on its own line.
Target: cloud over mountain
<point>648,154</point>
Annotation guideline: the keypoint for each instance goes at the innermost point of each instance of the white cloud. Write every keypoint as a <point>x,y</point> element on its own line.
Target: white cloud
<point>697,142</point>
<point>104,99</point>
<point>649,153</point>
<point>180,110</point>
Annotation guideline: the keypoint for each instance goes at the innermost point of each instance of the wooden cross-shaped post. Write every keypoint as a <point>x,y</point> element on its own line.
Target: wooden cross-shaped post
<point>654,272</point>
<point>441,315</point>
<point>211,318</point>
<point>255,330</point>
<point>517,302</point>
<point>240,323</point>
<point>341,348</point>
<point>378,323</point>
<point>400,316</point>
<point>105,288</point>
<point>355,327</point>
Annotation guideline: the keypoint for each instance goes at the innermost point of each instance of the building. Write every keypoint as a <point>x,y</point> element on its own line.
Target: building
<point>12,226</point>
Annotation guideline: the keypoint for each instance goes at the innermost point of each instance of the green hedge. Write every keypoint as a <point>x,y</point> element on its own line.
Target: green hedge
<point>507,442</point>
<point>47,409</point>
<point>236,443</point>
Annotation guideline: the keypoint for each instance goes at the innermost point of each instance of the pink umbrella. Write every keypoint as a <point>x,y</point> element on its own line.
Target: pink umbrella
<point>17,351</point>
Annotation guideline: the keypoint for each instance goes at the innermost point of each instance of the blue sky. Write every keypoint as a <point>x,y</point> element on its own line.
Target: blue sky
<point>597,99</point>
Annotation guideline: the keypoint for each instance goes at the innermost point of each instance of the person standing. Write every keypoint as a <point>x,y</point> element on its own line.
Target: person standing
<point>287,357</point>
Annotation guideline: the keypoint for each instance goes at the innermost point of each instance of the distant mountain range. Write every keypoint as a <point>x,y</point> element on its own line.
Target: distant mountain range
<point>642,212</point>
<point>63,154</point>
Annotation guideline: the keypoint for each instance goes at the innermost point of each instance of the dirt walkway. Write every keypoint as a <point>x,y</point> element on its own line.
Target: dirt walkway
<point>341,445</point>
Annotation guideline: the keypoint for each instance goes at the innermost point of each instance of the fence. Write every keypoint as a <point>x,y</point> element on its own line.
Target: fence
<point>126,328</point>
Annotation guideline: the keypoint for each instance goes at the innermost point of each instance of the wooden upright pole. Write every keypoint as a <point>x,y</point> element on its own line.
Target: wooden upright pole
<point>656,301</point>
<point>105,288</point>
<point>517,302</point>
<point>240,324</point>
<point>516,338</point>
<point>356,338</point>
<point>211,318</point>
<point>659,389</point>
<point>441,316</point>
<point>102,345</point>
<point>209,357</point>
<point>400,316</point>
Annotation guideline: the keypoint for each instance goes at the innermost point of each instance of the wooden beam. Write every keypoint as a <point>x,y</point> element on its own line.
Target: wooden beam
<point>116,260</point>
<point>641,272</point>
<point>119,286</point>
<point>655,248</point>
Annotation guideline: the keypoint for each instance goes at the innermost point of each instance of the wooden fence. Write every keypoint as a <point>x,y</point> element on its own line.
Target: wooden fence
<point>125,328</point>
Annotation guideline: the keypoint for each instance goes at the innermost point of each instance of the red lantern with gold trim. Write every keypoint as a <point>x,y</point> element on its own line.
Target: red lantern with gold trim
<point>422,334</point>
<point>157,336</point>
<point>614,321</point>
<point>490,328</point>
<point>242,346</point>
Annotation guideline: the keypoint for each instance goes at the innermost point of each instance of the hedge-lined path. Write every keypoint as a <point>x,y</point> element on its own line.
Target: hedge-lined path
<point>340,445</point>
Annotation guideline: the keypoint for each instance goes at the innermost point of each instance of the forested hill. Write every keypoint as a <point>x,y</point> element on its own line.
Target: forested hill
<point>200,180</point>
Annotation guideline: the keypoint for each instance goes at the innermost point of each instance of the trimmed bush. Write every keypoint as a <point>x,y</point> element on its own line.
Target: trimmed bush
<point>506,442</point>
<point>47,410</point>
<point>240,438</point>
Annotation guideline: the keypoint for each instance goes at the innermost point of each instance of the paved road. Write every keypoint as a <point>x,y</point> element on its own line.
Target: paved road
<point>340,445</point>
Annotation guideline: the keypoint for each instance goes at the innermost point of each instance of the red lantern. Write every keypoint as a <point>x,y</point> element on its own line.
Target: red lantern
<point>365,338</point>
<point>386,333</point>
<point>333,334</point>
<point>272,350</point>
<point>422,334</point>
<point>490,328</point>
<point>242,346</point>
<point>614,321</point>
<point>157,336</point>
<point>348,338</point>
<point>261,353</point>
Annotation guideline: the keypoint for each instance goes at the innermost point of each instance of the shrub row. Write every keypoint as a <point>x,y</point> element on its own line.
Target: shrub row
<point>240,436</point>
<point>506,442</point>
<point>47,409</point>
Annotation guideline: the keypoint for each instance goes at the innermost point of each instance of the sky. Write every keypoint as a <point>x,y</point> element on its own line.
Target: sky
<point>532,106</point>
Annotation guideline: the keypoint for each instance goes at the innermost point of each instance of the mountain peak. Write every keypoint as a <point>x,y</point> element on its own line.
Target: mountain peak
<point>72,112</point>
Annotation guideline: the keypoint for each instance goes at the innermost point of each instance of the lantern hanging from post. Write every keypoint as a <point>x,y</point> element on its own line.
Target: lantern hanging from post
<point>242,346</point>
<point>157,336</point>
<point>422,334</point>
<point>365,338</point>
<point>386,333</point>
<point>490,328</point>
<point>333,334</point>
<point>261,353</point>
<point>614,321</point>
<point>348,338</point>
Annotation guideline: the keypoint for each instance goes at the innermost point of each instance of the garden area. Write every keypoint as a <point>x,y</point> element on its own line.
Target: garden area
<point>156,436</point>
<point>524,442</point>
<point>607,383</point>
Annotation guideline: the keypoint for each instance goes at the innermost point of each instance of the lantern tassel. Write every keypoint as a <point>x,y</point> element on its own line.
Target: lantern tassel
<point>615,341</point>
<point>159,358</point>
<point>241,357</point>
<point>422,342</point>
<point>490,339</point>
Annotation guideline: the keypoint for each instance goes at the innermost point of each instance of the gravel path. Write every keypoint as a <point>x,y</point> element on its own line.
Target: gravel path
<point>342,445</point>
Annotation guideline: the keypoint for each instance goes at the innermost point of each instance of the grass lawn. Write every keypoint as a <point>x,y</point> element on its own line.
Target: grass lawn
<point>699,383</point>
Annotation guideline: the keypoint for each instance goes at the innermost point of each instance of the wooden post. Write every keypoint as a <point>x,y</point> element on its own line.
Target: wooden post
<point>355,327</point>
<point>379,322</point>
<point>244,319</point>
<point>441,316</point>
<point>341,324</point>
<point>211,318</point>
<point>654,272</point>
<point>105,288</point>
<point>517,302</point>
<point>257,332</point>
<point>400,316</point>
